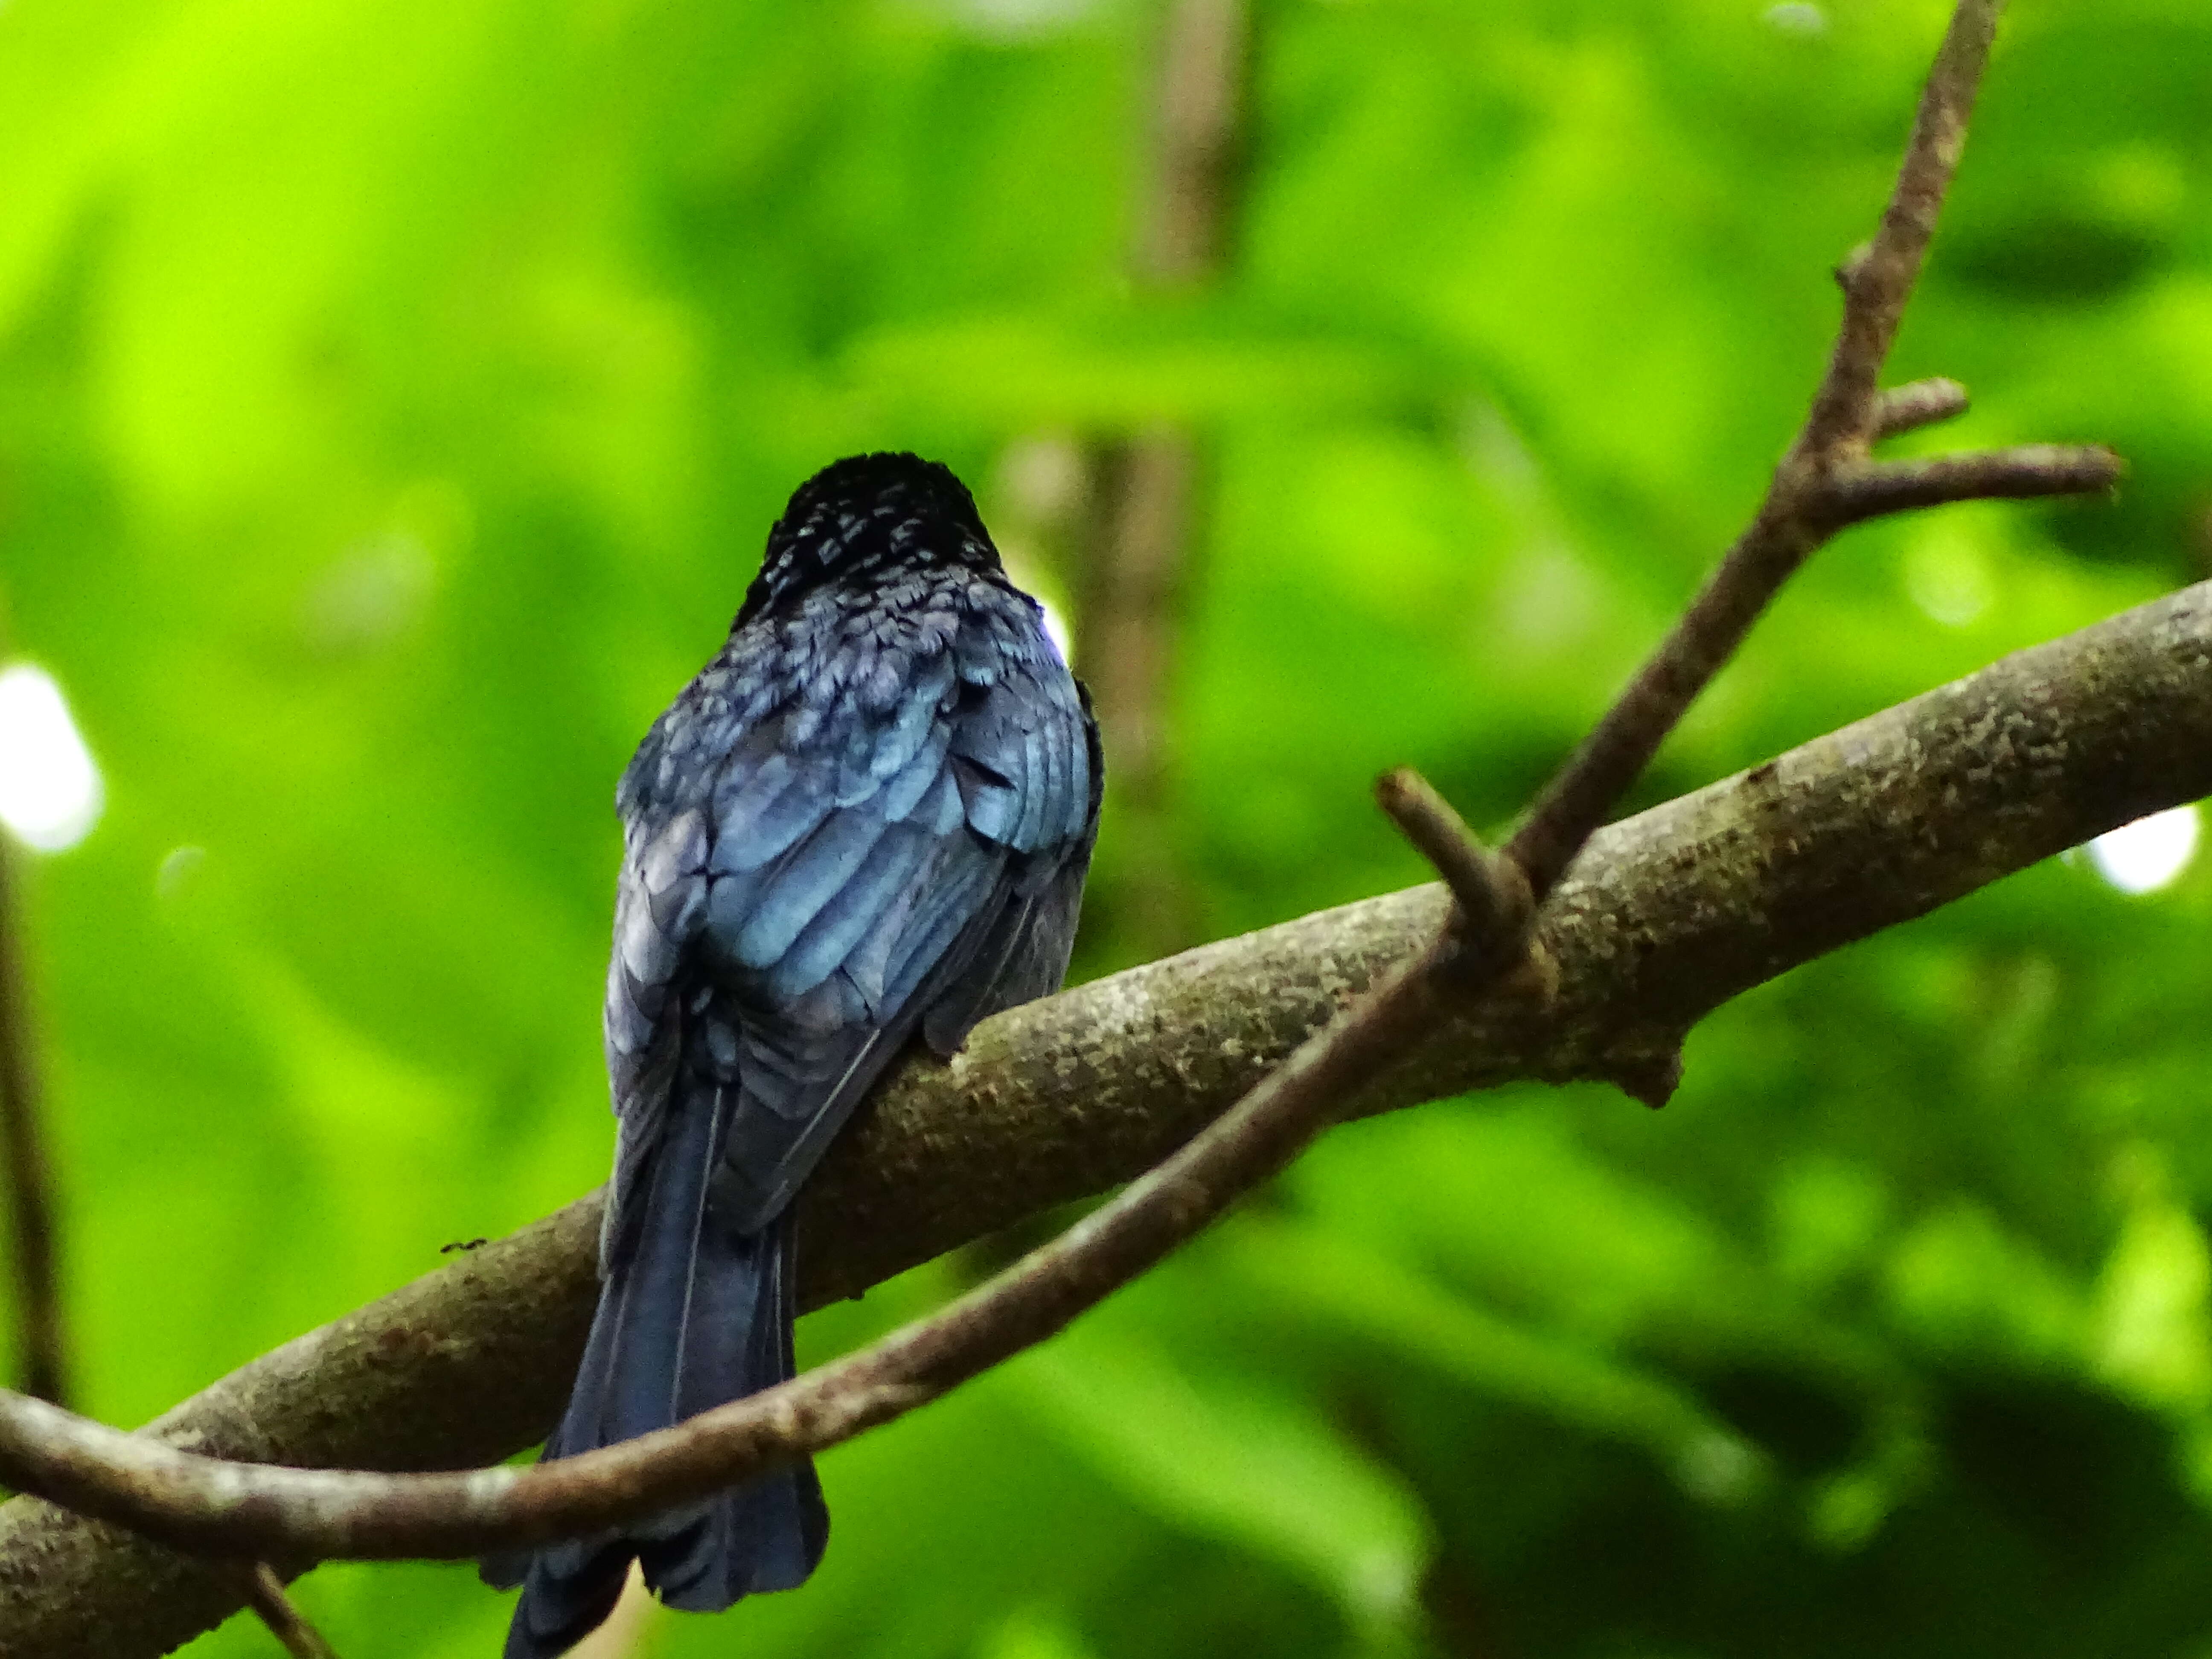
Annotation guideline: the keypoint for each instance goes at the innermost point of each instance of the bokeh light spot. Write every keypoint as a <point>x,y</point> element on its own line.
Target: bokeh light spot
<point>1055,629</point>
<point>2146,855</point>
<point>1948,576</point>
<point>1805,22</point>
<point>50,790</point>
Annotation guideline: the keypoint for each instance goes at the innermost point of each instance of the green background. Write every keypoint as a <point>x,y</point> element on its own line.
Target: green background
<point>392,401</point>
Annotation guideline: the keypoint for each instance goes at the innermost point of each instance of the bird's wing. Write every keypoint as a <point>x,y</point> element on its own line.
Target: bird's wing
<point>853,872</point>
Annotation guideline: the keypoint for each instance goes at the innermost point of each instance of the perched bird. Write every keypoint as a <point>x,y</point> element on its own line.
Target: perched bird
<point>868,818</point>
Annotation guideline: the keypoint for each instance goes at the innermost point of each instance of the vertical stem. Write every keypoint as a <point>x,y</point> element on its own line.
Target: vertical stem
<point>1137,566</point>
<point>39,1314</point>
<point>1200,110</point>
<point>1147,488</point>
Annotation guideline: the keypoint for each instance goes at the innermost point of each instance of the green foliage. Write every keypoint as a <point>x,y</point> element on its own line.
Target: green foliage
<point>393,400</point>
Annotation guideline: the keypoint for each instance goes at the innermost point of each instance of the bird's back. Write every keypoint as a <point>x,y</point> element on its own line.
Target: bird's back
<point>868,814</point>
<point>868,818</point>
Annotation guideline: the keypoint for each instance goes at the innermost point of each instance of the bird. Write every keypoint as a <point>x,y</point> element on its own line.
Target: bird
<point>865,823</point>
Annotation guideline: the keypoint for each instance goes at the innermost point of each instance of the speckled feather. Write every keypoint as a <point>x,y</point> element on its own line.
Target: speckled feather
<point>868,816</point>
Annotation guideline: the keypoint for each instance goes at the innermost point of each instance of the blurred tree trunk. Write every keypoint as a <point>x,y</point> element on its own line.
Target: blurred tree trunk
<point>1146,494</point>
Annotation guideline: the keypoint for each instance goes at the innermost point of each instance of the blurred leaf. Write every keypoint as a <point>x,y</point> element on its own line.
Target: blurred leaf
<point>1391,1312</point>
<point>1223,1456</point>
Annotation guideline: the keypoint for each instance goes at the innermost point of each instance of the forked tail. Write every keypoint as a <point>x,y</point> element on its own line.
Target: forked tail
<point>690,1317</point>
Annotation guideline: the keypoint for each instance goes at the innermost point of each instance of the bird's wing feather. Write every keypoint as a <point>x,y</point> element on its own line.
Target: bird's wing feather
<point>848,876</point>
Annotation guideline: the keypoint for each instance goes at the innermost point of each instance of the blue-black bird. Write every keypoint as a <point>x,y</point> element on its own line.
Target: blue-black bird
<point>867,819</point>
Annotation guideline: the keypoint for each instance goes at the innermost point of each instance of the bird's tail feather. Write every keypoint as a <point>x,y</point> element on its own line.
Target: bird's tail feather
<point>690,1317</point>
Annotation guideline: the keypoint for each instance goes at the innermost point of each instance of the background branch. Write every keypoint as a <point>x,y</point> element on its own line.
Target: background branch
<point>42,1357</point>
<point>1672,913</point>
<point>1145,491</point>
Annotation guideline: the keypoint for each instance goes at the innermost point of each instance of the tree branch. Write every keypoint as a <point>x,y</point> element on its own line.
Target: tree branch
<point>43,1359</point>
<point>1917,404</point>
<point>1824,482</point>
<point>1487,934</point>
<point>2017,474</point>
<point>1878,279</point>
<point>1672,913</point>
<point>1146,490</point>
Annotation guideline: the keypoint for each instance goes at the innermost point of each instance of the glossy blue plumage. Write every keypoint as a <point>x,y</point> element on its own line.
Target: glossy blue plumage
<point>868,818</point>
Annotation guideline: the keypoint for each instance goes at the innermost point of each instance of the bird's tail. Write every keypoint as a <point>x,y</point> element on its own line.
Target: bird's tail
<point>690,1317</point>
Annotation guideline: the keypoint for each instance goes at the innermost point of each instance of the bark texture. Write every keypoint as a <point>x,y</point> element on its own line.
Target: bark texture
<point>1665,917</point>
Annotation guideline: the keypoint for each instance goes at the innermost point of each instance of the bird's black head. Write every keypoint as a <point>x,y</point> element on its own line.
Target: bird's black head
<point>864,518</point>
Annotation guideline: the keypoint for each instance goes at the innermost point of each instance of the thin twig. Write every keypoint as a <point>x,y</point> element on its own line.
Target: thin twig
<point>1878,279</point>
<point>204,1504</point>
<point>1492,907</point>
<point>265,1596</point>
<point>1824,482</point>
<point>1917,404</point>
<point>45,1350</point>
<point>2017,474</point>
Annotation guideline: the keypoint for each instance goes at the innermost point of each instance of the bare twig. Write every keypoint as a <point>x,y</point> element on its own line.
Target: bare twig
<point>264,1595</point>
<point>1489,928</point>
<point>206,1504</point>
<point>1825,482</point>
<point>30,1180</point>
<point>1917,404</point>
<point>1879,279</point>
<point>1673,913</point>
<point>2019,474</point>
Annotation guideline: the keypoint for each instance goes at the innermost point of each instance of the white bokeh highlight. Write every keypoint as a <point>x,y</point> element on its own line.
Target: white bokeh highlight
<point>1055,629</point>
<point>1808,22</point>
<point>50,790</point>
<point>2147,854</point>
<point>1949,579</point>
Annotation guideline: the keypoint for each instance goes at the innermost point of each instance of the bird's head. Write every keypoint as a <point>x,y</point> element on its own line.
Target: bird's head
<point>863,519</point>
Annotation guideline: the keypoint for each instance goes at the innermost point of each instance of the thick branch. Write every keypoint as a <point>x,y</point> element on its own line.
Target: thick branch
<point>197,1503</point>
<point>1671,915</point>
